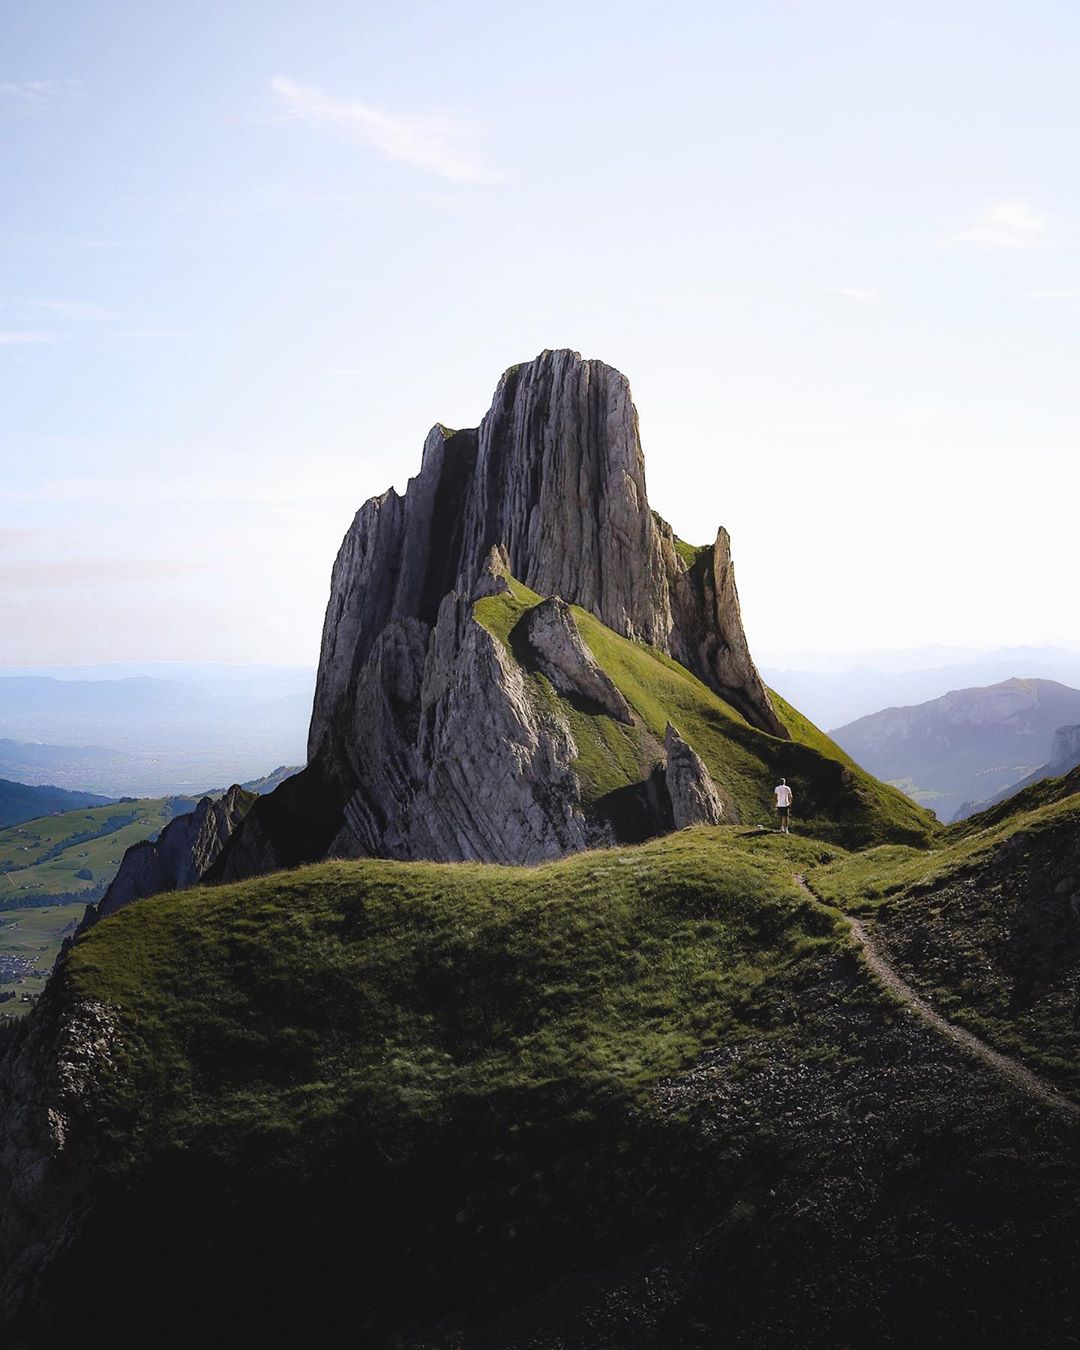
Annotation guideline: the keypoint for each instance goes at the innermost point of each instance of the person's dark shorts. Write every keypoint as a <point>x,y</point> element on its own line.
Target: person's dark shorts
<point>783,812</point>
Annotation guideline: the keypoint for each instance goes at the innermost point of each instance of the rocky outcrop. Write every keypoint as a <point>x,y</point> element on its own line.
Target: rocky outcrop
<point>694,796</point>
<point>181,856</point>
<point>561,654</point>
<point>708,636</point>
<point>51,1069</point>
<point>553,478</point>
<point>426,740</point>
<point>455,756</point>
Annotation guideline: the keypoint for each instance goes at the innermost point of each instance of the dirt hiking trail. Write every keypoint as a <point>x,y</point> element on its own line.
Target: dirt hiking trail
<point>1011,1069</point>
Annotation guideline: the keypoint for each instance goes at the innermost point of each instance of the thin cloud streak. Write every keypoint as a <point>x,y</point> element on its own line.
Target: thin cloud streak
<point>74,310</point>
<point>1066,293</point>
<point>94,571</point>
<point>858,295</point>
<point>24,337</point>
<point>1006,225</point>
<point>426,143</point>
<point>37,96</point>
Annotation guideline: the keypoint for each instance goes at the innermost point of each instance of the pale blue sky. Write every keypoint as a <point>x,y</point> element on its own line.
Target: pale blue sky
<point>250,251</point>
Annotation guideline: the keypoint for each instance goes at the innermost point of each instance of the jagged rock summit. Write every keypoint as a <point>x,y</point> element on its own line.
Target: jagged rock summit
<point>428,737</point>
<point>180,857</point>
<point>555,478</point>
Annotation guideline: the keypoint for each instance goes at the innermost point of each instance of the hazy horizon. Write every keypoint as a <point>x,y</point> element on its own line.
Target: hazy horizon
<point>249,256</point>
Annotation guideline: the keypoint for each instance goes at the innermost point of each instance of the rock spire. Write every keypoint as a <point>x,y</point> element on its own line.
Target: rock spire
<point>422,727</point>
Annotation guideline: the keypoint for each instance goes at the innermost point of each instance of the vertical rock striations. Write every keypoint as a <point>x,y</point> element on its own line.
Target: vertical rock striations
<point>555,478</point>
<point>421,733</point>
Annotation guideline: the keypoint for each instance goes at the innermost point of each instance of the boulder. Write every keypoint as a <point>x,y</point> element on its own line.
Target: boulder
<point>563,656</point>
<point>695,799</point>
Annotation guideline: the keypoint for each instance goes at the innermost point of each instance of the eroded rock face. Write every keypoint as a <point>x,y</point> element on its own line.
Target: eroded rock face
<point>425,740</point>
<point>708,636</point>
<point>51,1068</point>
<point>181,856</point>
<point>694,796</point>
<point>563,656</point>
<point>454,756</point>
<point>554,479</point>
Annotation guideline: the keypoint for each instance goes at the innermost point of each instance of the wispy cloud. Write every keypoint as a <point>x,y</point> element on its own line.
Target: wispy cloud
<point>37,96</point>
<point>858,295</point>
<point>1012,224</point>
<point>24,337</point>
<point>151,334</point>
<point>434,144</point>
<point>61,574</point>
<point>1065,293</point>
<point>15,539</point>
<point>74,310</point>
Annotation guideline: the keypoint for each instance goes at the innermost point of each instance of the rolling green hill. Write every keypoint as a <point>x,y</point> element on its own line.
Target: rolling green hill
<point>403,1014</point>
<point>51,869</point>
<point>551,1105</point>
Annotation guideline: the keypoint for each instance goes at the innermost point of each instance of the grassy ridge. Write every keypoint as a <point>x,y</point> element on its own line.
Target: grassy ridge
<point>478,1039</point>
<point>586,977</point>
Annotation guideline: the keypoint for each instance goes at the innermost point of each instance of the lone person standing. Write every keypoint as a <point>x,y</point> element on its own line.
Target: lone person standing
<point>783,804</point>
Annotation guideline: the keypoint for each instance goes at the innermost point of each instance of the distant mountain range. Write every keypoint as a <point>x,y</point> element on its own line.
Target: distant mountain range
<point>835,690</point>
<point>20,802</point>
<point>1064,758</point>
<point>124,732</point>
<point>969,746</point>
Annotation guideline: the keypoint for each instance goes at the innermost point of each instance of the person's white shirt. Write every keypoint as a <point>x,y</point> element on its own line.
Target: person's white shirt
<point>783,794</point>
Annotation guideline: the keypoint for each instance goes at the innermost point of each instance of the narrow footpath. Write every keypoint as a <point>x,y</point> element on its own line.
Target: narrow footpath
<point>1011,1069</point>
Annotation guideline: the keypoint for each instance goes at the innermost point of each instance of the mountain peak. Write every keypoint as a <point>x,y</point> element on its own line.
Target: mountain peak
<point>503,646</point>
<point>554,478</point>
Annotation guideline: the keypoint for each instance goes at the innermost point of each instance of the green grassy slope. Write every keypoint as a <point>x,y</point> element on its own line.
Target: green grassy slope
<point>478,1039</point>
<point>578,979</point>
<point>30,942</point>
<point>834,797</point>
<point>43,857</point>
<point>50,871</point>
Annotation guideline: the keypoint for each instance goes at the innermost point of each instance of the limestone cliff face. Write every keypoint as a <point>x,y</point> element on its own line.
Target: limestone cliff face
<point>555,477</point>
<point>423,736</point>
